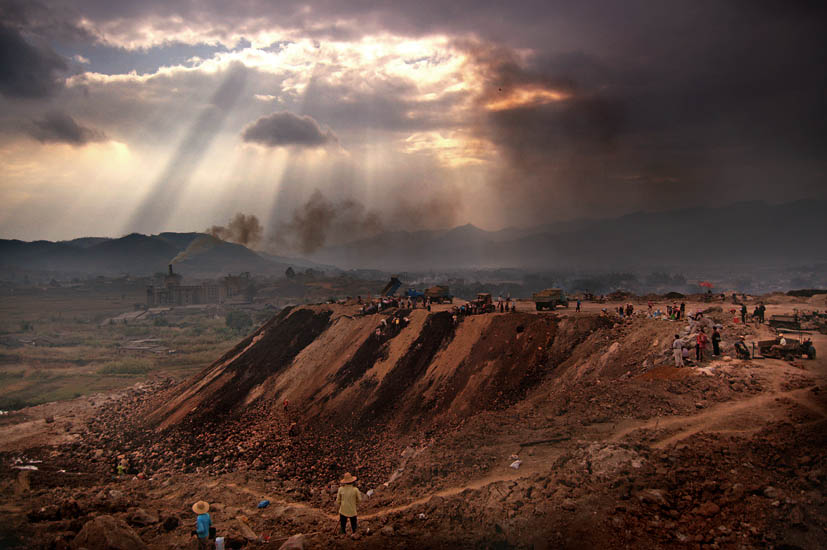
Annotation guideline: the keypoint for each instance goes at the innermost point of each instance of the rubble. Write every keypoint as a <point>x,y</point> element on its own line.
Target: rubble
<point>108,532</point>
<point>296,542</point>
<point>601,421</point>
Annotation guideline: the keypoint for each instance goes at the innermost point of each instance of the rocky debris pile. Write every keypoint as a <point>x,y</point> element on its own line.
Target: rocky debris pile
<point>729,492</point>
<point>265,439</point>
<point>707,491</point>
<point>688,332</point>
<point>108,532</point>
<point>603,461</point>
<point>284,446</point>
<point>522,350</point>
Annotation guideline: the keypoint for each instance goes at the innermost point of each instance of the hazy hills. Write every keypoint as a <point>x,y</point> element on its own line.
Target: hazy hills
<point>194,254</point>
<point>743,234</point>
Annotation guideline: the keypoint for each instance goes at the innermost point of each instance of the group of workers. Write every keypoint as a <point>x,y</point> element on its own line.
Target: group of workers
<point>476,308</point>
<point>758,313</point>
<point>396,323</point>
<point>681,351</point>
<point>370,307</point>
<point>674,312</point>
<point>375,306</point>
<point>622,311</point>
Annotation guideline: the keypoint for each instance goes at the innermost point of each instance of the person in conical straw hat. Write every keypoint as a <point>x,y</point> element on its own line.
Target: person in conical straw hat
<point>348,499</point>
<point>202,523</point>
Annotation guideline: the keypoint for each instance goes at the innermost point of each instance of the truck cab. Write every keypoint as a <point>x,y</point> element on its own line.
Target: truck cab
<point>550,298</point>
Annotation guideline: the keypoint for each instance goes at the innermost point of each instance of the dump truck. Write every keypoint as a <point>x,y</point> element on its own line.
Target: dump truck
<point>414,294</point>
<point>390,288</point>
<point>439,294</point>
<point>550,298</point>
<point>484,302</point>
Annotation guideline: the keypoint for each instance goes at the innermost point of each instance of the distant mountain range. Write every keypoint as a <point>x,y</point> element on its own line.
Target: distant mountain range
<point>739,235</point>
<point>748,233</point>
<point>193,254</point>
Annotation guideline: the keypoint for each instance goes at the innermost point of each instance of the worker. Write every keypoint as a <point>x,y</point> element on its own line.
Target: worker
<point>578,305</point>
<point>677,351</point>
<point>682,313</point>
<point>743,314</point>
<point>348,499</point>
<point>741,349</point>
<point>123,465</point>
<point>716,342</point>
<point>779,346</point>
<point>762,309</point>
<point>700,345</point>
<point>203,523</point>
<point>808,349</point>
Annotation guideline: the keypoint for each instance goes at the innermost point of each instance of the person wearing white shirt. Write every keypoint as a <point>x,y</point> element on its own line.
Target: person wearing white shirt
<point>677,350</point>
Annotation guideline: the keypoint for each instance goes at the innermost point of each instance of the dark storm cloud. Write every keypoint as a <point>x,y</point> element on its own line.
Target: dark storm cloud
<point>666,102</point>
<point>687,105</point>
<point>48,20</point>
<point>286,129</point>
<point>57,127</point>
<point>27,70</point>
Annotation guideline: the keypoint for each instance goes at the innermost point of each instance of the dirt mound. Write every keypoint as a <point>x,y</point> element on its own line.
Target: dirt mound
<point>367,385</point>
<point>514,430</point>
<point>224,386</point>
<point>367,379</point>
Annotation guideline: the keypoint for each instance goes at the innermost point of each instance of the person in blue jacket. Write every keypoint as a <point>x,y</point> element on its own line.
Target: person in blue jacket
<point>202,523</point>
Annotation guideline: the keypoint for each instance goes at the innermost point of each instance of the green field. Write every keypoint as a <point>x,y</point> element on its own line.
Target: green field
<point>57,344</point>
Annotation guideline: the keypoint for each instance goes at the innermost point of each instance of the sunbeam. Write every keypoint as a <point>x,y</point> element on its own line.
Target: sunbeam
<point>166,191</point>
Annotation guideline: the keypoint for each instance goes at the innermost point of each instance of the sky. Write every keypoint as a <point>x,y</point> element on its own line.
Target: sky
<point>354,117</point>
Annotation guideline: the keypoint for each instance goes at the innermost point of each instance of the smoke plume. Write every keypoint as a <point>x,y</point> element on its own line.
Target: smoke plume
<point>242,229</point>
<point>312,225</point>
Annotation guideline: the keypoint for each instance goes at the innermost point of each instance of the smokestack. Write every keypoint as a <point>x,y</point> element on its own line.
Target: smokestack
<point>170,269</point>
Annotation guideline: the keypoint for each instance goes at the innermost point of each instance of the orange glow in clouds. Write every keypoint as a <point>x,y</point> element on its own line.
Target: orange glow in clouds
<point>525,97</point>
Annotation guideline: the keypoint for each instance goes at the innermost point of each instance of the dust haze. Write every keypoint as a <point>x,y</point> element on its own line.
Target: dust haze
<point>312,224</point>
<point>242,229</point>
<point>323,221</point>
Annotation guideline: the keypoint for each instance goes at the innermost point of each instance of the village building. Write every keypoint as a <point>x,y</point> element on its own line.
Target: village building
<point>174,293</point>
